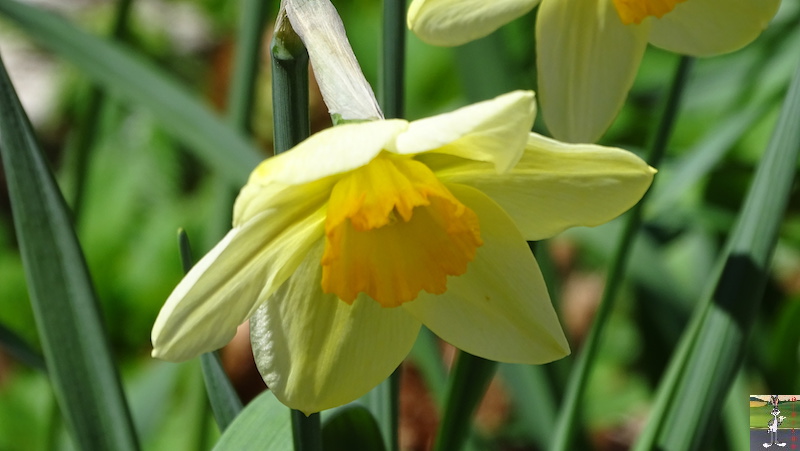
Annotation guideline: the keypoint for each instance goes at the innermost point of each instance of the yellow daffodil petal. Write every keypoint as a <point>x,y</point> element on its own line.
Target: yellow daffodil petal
<point>494,130</point>
<point>332,151</point>
<point>316,352</point>
<point>635,11</point>
<point>712,27</point>
<point>223,289</point>
<point>499,309</point>
<point>455,22</point>
<point>587,61</point>
<point>556,185</point>
<point>392,230</point>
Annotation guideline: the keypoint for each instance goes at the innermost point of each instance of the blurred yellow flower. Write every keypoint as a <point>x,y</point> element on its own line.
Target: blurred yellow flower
<point>588,51</point>
<point>342,247</point>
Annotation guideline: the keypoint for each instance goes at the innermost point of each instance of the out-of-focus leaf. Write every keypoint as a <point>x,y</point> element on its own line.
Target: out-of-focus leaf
<point>351,427</point>
<point>426,356</point>
<point>68,318</point>
<point>702,160</point>
<point>712,349</point>
<point>17,347</point>
<point>534,399</point>
<point>264,425</point>
<point>112,66</point>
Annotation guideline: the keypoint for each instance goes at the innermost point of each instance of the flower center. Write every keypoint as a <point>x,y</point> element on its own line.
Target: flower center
<point>634,11</point>
<point>394,229</point>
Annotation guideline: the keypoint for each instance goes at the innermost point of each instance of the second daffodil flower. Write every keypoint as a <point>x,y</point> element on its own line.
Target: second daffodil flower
<point>588,51</point>
<point>343,246</point>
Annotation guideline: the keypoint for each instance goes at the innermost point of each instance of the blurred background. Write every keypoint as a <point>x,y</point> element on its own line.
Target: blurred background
<point>134,185</point>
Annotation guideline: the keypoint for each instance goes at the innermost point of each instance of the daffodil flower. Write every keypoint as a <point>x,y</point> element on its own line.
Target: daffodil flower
<point>343,246</point>
<point>588,51</point>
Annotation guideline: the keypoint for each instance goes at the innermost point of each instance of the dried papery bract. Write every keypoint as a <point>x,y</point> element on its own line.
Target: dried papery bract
<point>344,88</point>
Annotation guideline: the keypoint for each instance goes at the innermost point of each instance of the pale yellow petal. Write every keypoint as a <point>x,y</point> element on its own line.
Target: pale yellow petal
<point>315,351</point>
<point>224,288</point>
<point>257,198</point>
<point>556,186</point>
<point>587,61</point>
<point>455,22</point>
<point>712,27</point>
<point>329,152</point>
<point>494,130</point>
<point>499,309</point>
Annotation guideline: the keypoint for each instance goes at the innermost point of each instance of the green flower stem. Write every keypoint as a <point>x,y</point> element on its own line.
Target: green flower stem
<point>576,386</point>
<point>289,86</point>
<point>87,133</point>
<point>391,83</point>
<point>465,388</point>
<point>383,400</point>
<point>307,431</point>
<point>225,402</point>
<point>290,115</point>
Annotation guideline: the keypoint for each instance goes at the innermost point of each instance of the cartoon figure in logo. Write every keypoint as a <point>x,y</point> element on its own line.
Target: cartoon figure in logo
<point>772,425</point>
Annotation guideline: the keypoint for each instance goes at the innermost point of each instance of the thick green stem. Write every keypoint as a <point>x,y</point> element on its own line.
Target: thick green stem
<point>290,116</point>
<point>289,87</point>
<point>384,399</point>
<point>393,62</point>
<point>584,362</point>
<point>307,431</point>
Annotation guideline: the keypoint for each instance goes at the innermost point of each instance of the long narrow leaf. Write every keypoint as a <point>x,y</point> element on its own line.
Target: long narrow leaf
<point>112,66</point>
<point>76,350</point>
<point>711,352</point>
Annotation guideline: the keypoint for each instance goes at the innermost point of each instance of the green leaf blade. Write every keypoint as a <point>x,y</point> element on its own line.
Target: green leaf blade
<point>68,318</point>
